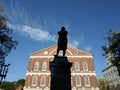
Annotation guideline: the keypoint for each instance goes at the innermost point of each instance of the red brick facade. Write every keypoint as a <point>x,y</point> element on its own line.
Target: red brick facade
<point>83,75</point>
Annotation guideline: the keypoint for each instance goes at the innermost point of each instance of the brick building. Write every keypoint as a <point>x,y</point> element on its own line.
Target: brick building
<point>110,73</point>
<point>83,75</point>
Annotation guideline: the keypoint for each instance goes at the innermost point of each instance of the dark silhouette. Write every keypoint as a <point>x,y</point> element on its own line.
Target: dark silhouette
<point>60,67</point>
<point>6,44</point>
<point>62,40</point>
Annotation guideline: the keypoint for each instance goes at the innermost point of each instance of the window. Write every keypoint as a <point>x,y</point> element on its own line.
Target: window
<point>34,80</point>
<point>44,66</point>
<point>87,81</point>
<point>77,66</point>
<point>76,52</point>
<point>85,66</point>
<point>36,66</point>
<point>43,80</point>
<point>78,81</point>
<point>45,52</point>
<point>60,53</point>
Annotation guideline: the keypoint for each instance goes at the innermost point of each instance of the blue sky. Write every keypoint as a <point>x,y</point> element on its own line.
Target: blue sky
<point>35,24</point>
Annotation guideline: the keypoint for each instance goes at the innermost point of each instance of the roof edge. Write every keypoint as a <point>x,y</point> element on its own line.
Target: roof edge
<point>56,45</point>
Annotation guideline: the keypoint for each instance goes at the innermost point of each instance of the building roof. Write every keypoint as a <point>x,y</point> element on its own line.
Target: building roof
<point>51,51</point>
<point>107,68</point>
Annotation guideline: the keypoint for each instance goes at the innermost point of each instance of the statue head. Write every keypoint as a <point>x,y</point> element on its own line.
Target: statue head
<point>63,28</point>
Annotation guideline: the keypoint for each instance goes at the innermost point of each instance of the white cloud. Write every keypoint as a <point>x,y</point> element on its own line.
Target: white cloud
<point>35,27</point>
<point>88,48</point>
<point>23,23</point>
<point>33,33</point>
<point>74,43</point>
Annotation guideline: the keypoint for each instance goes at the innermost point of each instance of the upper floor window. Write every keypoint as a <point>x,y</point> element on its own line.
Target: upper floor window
<point>43,80</point>
<point>36,66</point>
<point>44,66</point>
<point>87,81</point>
<point>60,53</point>
<point>77,66</point>
<point>34,80</point>
<point>85,66</point>
<point>78,81</point>
<point>76,52</point>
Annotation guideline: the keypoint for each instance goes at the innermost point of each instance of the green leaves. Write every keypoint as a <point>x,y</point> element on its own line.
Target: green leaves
<point>8,86</point>
<point>13,85</point>
<point>104,85</point>
<point>6,41</point>
<point>20,82</point>
<point>112,50</point>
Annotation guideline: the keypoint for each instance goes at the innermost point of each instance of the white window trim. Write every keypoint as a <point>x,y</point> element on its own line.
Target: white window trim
<point>76,80</point>
<point>44,81</point>
<point>75,52</point>
<point>35,76</point>
<point>86,65</point>
<point>37,66</point>
<point>44,63</point>
<point>60,53</point>
<point>77,65</point>
<point>88,81</point>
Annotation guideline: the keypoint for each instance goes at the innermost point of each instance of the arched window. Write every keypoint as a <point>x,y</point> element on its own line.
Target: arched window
<point>34,80</point>
<point>78,81</point>
<point>44,66</point>
<point>43,80</point>
<point>36,66</point>
<point>60,53</point>
<point>85,66</point>
<point>87,80</point>
<point>77,66</point>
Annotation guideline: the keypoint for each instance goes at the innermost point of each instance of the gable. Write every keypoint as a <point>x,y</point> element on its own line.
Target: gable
<point>51,51</point>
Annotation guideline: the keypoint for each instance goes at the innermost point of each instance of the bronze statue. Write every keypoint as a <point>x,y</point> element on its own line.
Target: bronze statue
<point>62,40</point>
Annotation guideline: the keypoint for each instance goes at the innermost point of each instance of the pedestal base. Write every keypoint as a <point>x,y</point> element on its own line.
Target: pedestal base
<point>60,74</point>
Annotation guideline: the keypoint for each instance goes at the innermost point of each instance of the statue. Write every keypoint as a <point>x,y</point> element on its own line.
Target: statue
<point>62,41</point>
<point>60,67</point>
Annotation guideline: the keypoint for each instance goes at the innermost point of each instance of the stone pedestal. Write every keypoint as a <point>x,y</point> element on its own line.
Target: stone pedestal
<point>60,73</point>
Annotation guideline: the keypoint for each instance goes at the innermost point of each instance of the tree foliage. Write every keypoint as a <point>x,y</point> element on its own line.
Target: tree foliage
<point>112,49</point>
<point>104,85</point>
<point>16,85</point>
<point>20,82</point>
<point>8,86</point>
<point>6,41</point>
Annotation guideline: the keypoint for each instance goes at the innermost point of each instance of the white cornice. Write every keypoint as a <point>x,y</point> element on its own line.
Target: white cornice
<point>82,74</point>
<point>48,73</point>
<point>67,56</point>
<point>38,73</point>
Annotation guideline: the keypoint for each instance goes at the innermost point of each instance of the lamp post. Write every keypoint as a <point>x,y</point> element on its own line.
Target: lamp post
<point>3,70</point>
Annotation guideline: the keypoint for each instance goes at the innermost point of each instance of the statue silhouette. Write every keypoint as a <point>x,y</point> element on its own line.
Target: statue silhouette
<point>62,41</point>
